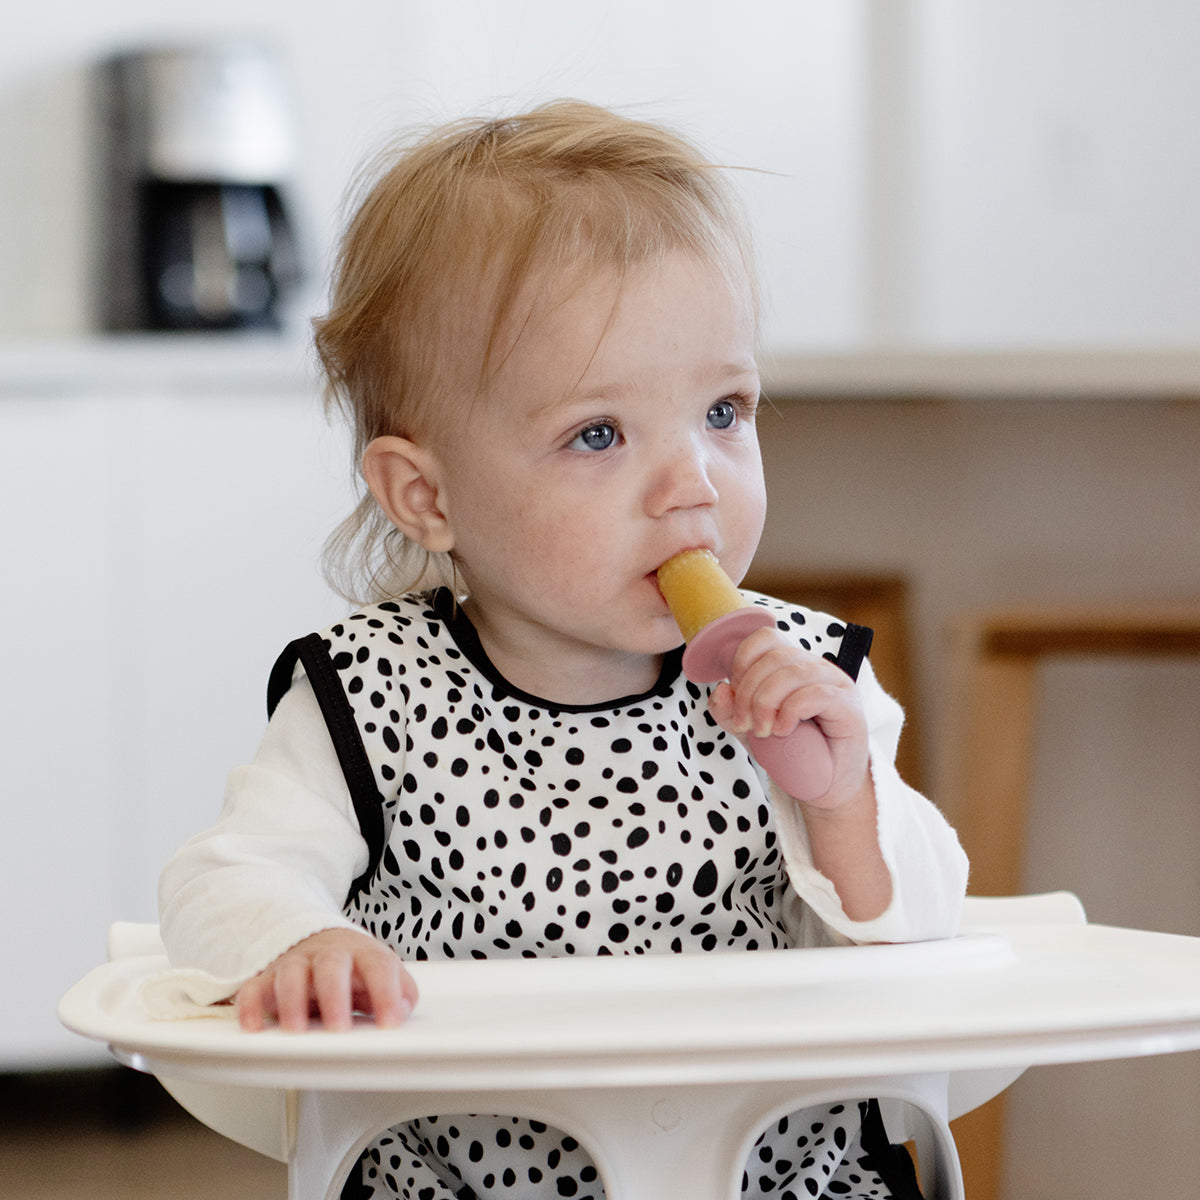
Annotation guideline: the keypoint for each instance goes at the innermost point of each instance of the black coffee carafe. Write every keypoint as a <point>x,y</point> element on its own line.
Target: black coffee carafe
<point>199,147</point>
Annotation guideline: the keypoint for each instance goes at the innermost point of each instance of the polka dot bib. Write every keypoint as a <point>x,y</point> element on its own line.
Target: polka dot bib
<point>511,826</point>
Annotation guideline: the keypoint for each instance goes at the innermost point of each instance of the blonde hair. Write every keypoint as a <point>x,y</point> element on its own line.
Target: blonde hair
<point>451,228</point>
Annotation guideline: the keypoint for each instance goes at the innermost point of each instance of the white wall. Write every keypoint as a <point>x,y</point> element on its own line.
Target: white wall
<point>779,88</point>
<point>945,171</point>
<point>1057,181</point>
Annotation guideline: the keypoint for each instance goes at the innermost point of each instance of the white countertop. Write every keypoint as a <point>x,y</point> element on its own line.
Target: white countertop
<point>1166,373</point>
<point>197,363</point>
<point>124,364</point>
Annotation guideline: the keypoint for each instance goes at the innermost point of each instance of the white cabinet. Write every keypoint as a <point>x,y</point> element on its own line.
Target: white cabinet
<point>60,820</point>
<point>158,552</point>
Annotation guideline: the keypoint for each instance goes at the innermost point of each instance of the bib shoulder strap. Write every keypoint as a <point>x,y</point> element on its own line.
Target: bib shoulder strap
<point>856,644</point>
<point>311,653</point>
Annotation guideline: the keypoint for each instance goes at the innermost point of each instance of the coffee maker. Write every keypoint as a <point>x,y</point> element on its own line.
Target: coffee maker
<point>198,147</point>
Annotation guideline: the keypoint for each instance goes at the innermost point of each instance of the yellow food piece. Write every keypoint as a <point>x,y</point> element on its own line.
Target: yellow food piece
<point>697,590</point>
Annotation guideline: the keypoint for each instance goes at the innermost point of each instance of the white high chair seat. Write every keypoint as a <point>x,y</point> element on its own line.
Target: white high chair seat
<point>667,1067</point>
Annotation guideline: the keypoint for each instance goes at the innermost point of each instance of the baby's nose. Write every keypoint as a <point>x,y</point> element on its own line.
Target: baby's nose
<point>682,480</point>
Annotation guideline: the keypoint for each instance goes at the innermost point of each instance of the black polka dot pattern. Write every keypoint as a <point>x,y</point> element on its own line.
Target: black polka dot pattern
<point>522,828</point>
<point>814,1153</point>
<point>517,827</point>
<point>445,1157</point>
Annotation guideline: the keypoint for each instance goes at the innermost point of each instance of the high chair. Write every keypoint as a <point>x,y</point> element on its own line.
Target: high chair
<point>667,1067</point>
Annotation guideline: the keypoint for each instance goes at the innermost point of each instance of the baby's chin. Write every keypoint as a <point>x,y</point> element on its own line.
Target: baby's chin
<point>664,638</point>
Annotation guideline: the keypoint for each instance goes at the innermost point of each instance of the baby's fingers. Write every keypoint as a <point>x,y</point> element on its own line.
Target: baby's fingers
<point>720,705</point>
<point>293,992</point>
<point>331,987</point>
<point>329,975</point>
<point>785,699</point>
<point>281,993</point>
<point>774,695</point>
<point>386,990</point>
<point>252,1004</point>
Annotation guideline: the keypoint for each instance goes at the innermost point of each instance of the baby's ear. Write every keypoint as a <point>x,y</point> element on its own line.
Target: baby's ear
<point>403,478</point>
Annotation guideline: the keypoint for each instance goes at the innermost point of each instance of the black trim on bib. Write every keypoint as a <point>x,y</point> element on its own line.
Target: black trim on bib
<point>313,655</point>
<point>466,638</point>
<point>892,1163</point>
<point>856,645</point>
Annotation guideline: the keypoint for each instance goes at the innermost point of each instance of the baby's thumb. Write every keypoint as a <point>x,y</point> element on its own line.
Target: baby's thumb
<point>720,704</point>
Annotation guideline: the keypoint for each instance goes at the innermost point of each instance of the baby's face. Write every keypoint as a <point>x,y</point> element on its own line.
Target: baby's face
<point>619,431</point>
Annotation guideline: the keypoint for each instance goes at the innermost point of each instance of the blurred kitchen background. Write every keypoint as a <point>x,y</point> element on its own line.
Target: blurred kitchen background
<point>979,224</point>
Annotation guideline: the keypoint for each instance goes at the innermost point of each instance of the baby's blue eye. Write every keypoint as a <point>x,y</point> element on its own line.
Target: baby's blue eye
<point>722,415</point>
<point>594,437</point>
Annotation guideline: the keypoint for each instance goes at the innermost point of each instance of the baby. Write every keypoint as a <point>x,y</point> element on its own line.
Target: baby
<point>543,330</point>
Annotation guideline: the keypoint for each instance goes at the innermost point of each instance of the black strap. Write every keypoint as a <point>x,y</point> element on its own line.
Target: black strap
<point>856,644</point>
<point>890,1162</point>
<point>313,656</point>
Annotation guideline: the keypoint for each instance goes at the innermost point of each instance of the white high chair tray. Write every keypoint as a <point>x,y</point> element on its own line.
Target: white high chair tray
<point>1020,996</point>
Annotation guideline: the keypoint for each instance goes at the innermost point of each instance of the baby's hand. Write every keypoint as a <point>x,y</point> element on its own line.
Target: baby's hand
<point>774,685</point>
<point>329,976</point>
